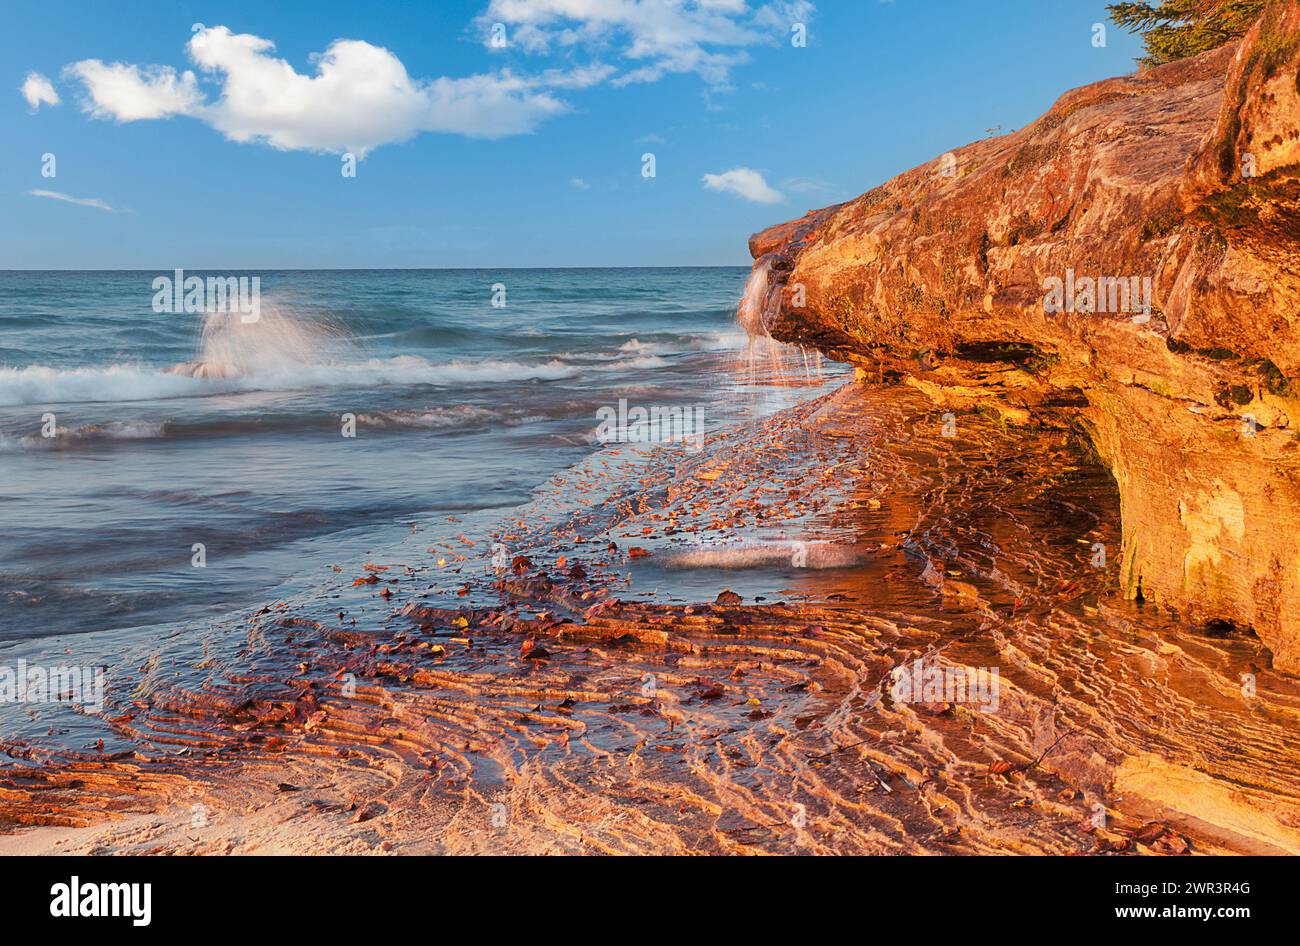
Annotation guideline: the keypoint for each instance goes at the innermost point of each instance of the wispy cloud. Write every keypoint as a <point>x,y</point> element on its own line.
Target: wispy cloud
<point>579,184</point>
<point>706,37</point>
<point>745,183</point>
<point>38,91</point>
<point>80,201</point>
<point>808,185</point>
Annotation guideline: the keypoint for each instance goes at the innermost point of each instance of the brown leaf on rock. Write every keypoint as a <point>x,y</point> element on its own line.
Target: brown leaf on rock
<point>1171,843</point>
<point>534,651</point>
<point>1149,832</point>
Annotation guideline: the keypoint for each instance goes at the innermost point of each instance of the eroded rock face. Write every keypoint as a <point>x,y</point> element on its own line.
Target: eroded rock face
<point>1128,264</point>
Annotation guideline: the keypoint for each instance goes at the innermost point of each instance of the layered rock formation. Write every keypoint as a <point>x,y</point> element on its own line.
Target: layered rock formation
<point>1128,264</point>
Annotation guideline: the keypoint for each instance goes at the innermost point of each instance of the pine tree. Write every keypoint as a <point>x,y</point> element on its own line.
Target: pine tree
<point>1175,29</point>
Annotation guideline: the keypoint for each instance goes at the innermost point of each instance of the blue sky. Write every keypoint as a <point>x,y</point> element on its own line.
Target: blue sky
<point>474,155</point>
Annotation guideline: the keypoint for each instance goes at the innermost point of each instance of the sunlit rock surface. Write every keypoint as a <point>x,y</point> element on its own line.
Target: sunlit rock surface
<point>1187,175</point>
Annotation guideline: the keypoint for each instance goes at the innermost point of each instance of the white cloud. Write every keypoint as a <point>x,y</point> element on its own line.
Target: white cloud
<point>579,183</point>
<point>359,98</point>
<point>38,91</point>
<point>746,183</point>
<point>706,37</point>
<point>133,93</point>
<point>67,198</point>
<point>583,77</point>
<point>808,185</point>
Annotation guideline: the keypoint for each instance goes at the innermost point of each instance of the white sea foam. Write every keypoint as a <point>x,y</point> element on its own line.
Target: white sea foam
<point>65,436</point>
<point>758,554</point>
<point>457,415</point>
<point>712,341</point>
<point>283,352</point>
<point>39,384</point>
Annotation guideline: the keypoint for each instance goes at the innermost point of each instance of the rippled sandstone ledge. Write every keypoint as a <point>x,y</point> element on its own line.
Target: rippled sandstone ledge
<point>391,713</point>
<point>1188,174</point>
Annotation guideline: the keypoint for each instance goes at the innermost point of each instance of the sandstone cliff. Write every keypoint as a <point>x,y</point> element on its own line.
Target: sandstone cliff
<point>1012,275</point>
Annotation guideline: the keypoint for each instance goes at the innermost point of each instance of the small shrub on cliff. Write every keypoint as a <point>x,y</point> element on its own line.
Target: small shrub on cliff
<point>1176,29</point>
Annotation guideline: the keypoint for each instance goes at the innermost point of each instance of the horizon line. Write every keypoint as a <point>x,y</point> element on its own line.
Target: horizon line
<point>360,269</point>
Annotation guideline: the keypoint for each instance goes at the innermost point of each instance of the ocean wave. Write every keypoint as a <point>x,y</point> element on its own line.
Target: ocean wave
<point>438,418</point>
<point>69,436</point>
<point>40,384</point>
<point>678,344</point>
<point>633,364</point>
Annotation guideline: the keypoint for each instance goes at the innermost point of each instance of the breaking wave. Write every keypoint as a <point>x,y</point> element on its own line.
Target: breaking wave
<point>39,384</point>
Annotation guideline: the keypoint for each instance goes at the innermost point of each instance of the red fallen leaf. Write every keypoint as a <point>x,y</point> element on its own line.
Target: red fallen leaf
<point>368,580</point>
<point>637,552</point>
<point>1149,833</point>
<point>386,593</point>
<point>314,720</point>
<point>729,597</point>
<point>520,564</point>
<point>366,812</point>
<point>1000,767</point>
<point>561,562</point>
<point>1171,843</point>
<point>534,651</point>
<point>1117,846</point>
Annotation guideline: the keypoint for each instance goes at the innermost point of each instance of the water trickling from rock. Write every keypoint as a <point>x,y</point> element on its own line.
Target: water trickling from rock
<point>765,359</point>
<point>757,304</point>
